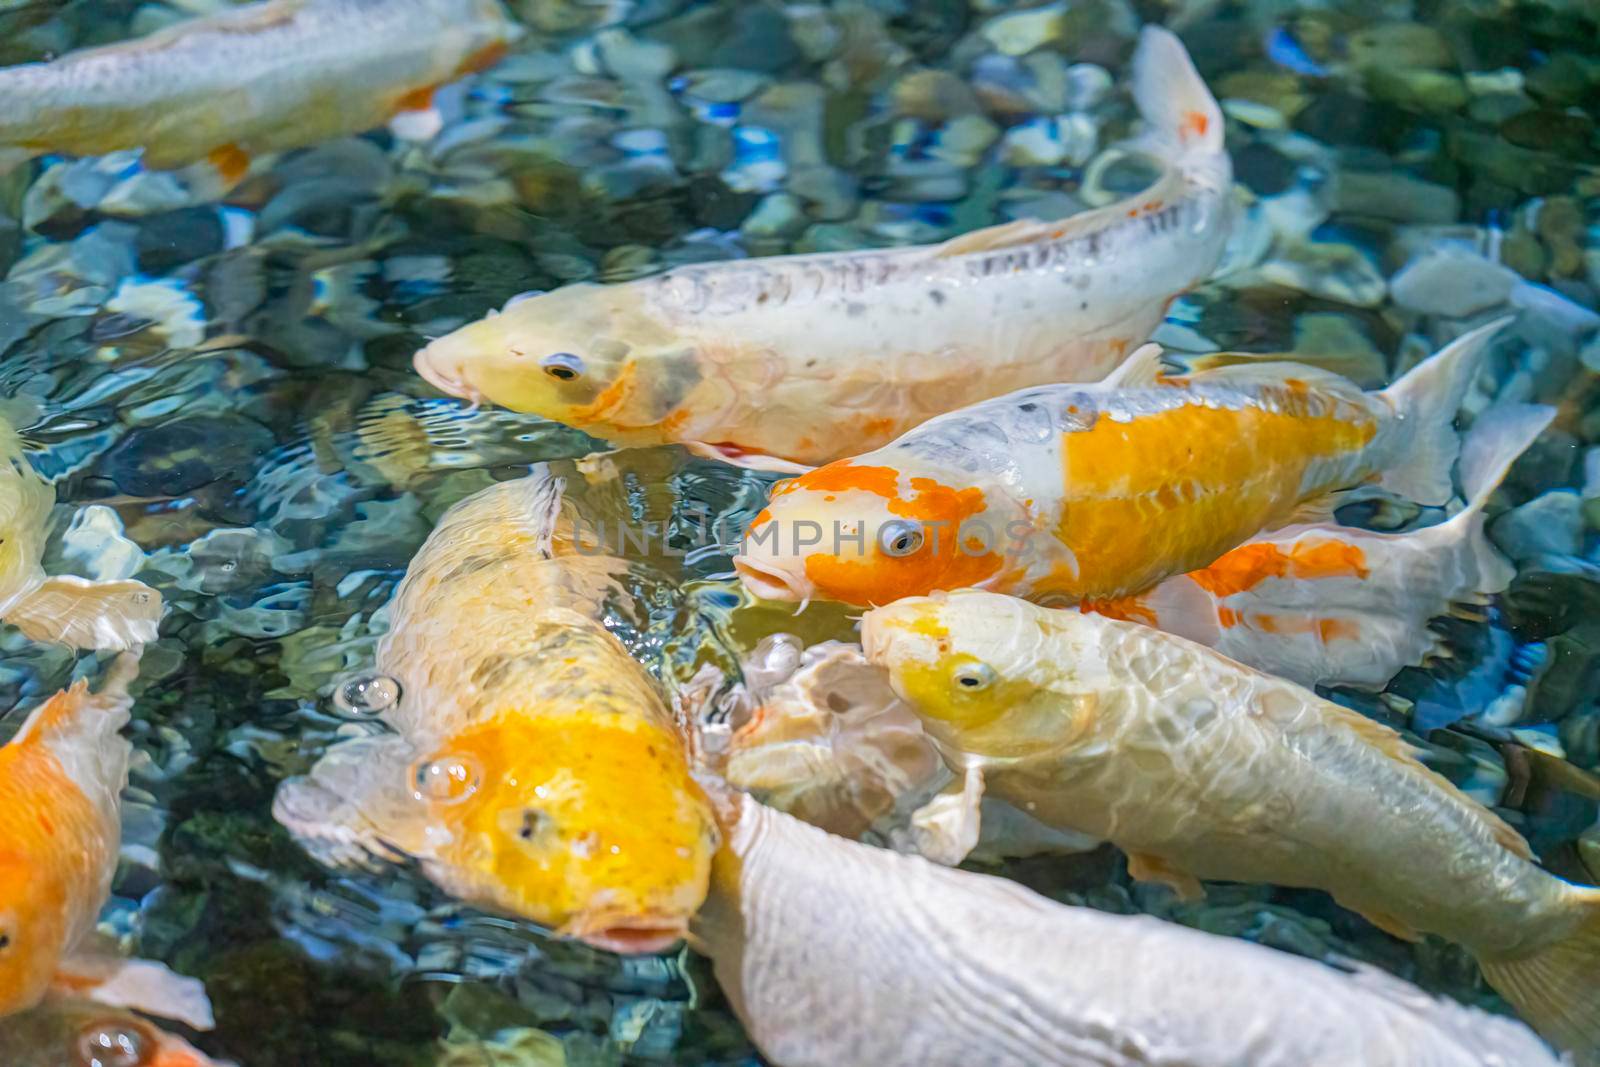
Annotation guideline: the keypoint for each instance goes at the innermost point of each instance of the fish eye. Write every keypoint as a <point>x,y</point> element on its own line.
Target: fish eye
<point>5,940</point>
<point>535,823</point>
<point>563,366</point>
<point>974,677</point>
<point>900,537</point>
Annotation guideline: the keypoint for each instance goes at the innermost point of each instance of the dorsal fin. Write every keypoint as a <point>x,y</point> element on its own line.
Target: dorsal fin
<point>1142,368</point>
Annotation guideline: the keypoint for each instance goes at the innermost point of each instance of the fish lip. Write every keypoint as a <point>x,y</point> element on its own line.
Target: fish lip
<point>635,938</point>
<point>427,368</point>
<point>765,582</point>
<point>872,644</point>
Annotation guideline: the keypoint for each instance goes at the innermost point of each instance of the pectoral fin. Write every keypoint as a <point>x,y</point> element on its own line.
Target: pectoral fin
<point>1387,923</point>
<point>356,807</point>
<point>946,828</point>
<point>109,616</point>
<point>1146,867</point>
<point>139,985</point>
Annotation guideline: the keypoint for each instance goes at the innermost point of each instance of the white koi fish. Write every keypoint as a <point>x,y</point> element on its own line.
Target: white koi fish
<point>1201,768</point>
<point>837,954</point>
<point>261,78</point>
<point>1334,605</point>
<point>798,360</point>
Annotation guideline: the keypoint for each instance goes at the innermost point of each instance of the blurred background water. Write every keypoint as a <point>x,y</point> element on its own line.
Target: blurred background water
<point>222,394</point>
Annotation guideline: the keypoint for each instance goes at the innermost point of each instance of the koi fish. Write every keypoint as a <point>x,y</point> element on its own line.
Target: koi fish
<point>837,954</point>
<point>111,615</point>
<point>1201,768</point>
<point>1333,605</point>
<point>68,1032</point>
<point>820,734</point>
<point>61,778</point>
<point>534,769</point>
<point>261,78</point>
<point>1097,491</point>
<point>790,361</point>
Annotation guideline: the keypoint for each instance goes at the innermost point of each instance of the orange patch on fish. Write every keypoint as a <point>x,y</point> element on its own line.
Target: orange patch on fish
<point>611,397</point>
<point>1126,608</point>
<point>484,58</point>
<point>1195,124</point>
<point>230,161</point>
<point>845,475</point>
<point>1171,491</point>
<point>416,100</point>
<point>1248,565</point>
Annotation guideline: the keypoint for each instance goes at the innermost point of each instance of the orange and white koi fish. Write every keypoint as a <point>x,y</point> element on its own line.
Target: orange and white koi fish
<point>1332,605</point>
<point>61,779</point>
<point>1201,768</point>
<point>260,78</point>
<point>535,769</point>
<point>797,360</point>
<point>109,615</point>
<point>837,954</point>
<point>819,733</point>
<point>1095,491</point>
<point>71,1032</point>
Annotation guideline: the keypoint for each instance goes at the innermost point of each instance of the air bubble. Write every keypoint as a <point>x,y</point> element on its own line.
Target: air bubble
<point>110,1045</point>
<point>366,694</point>
<point>448,780</point>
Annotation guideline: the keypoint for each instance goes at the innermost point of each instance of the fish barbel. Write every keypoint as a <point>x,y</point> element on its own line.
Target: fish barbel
<point>1201,768</point>
<point>1080,492</point>
<point>797,360</point>
<point>837,954</point>
<point>107,615</point>
<point>1334,605</point>
<point>260,78</point>
<point>535,769</point>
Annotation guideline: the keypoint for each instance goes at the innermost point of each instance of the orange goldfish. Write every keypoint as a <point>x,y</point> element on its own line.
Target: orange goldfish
<point>75,611</point>
<point>1095,491</point>
<point>1201,768</point>
<point>1332,605</point>
<point>61,777</point>
<point>788,361</point>
<point>259,78</point>
<point>535,769</point>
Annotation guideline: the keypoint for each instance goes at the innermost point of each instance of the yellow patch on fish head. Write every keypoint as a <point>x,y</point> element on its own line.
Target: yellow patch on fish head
<point>868,534</point>
<point>587,822</point>
<point>978,668</point>
<point>571,355</point>
<point>32,927</point>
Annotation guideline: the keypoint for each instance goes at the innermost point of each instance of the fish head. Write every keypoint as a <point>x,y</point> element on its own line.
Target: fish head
<point>570,355</point>
<point>587,822</point>
<point>992,674</point>
<point>76,1031</point>
<point>33,928</point>
<point>869,533</point>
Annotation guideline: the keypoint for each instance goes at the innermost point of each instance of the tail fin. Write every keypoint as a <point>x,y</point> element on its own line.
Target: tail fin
<point>76,710</point>
<point>1500,435</point>
<point>140,985</point>
<point>1425,402</point>
<point>1557,988</point>
<point>114,615</point>
<point>1182,114</point>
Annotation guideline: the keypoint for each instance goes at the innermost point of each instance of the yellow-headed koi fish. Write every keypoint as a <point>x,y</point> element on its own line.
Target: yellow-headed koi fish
<point>535,769</point>
<point>1332,605</point>
<point>838,954</point>
<point>797,360</point>
<point>1082,492</point>
<point>112,615</point>
<point>820,734</point>
<point>61,779</point>
<point>1201,768</point>
<point>70,1032</point>
<point>260,78</point>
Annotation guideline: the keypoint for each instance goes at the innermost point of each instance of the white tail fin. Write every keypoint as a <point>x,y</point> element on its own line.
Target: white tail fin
<point>115,615</point>
<point>139,985</point>
<point>1425,403</point>
<point>1500,435</point>
<point>1554,987</point>
<point>1172,97</point>
<point>75,711</point>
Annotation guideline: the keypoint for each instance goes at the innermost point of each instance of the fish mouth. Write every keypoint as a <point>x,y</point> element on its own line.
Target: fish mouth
<point>873,645</point>
<point>427,364</point>
<point>635,939</point>
<point>766,582</point>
